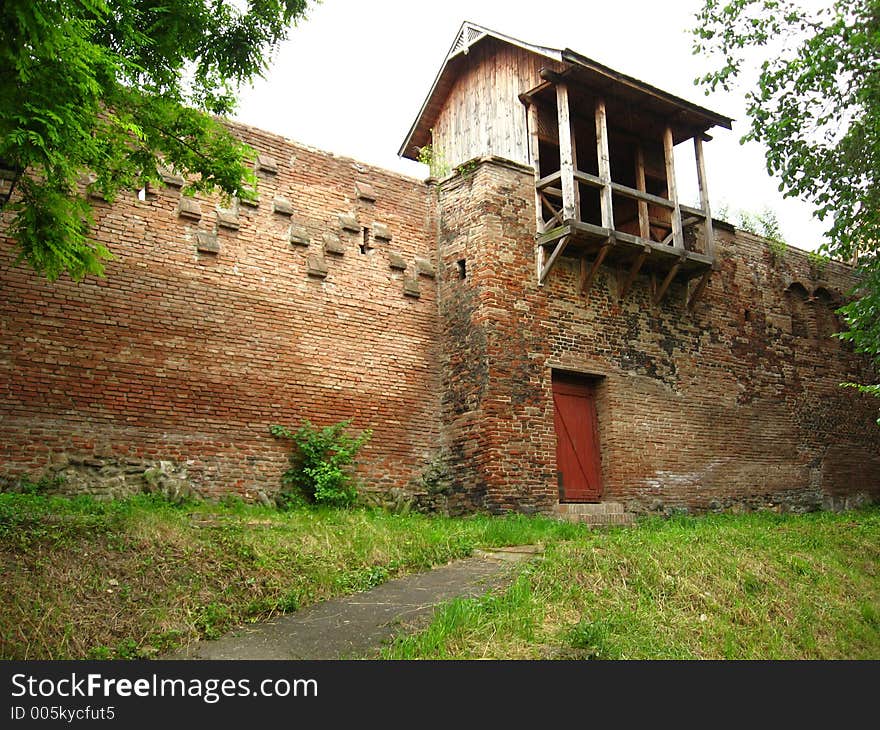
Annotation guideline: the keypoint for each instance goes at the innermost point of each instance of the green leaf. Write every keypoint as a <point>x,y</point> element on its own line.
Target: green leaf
<point>116,88</point>
<point>813,101</point>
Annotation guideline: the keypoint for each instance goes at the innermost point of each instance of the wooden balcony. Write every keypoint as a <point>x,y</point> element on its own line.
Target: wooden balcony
<point>653,235</point>
<point>596,245</point>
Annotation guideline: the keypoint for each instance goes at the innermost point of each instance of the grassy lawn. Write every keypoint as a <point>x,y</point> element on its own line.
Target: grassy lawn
<point>757,586</point>
<point>138,577</point>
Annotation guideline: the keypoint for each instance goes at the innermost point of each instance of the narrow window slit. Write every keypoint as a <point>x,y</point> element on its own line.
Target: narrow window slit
<point>365,244</point>
<point>462,269</point>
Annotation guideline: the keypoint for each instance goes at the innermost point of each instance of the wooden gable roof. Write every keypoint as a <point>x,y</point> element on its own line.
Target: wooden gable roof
<point>580,69</point>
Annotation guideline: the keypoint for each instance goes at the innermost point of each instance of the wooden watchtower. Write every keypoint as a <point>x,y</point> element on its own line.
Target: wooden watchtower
<point>601,145</point>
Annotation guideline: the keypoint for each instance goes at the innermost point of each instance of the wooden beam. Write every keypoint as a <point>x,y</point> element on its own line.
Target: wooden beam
<point>557,252</point>
<point>633,272</point>
<point>677,234</point>
<point>692,211</point>
<point>644,224</point>
<point>669,277</point>
<point>686,223</point>
<point>638,195</point>
<point>540,261</point>
<point>704,196</point>
<point>554,234</point>
<point>597,233</point>
<point>627,192</point>
<point>557,214</point>
<point>544,182</point>
<point>604,165</point>
<point>571,205</point>
<point>587,277</point>
<point>587,179</point>
<point>535,155</point>
<point>695,295</point>
<point>527,96</point>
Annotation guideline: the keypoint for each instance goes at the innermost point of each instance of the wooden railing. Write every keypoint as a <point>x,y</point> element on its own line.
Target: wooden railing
<point>559,193</point>
<point>549,191</point>
<point>563,184</point>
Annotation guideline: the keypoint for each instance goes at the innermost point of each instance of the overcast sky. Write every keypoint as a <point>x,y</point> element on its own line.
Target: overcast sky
<point>354,74</point>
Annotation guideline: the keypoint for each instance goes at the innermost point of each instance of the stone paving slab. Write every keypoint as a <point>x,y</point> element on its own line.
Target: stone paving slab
<point>358,625</point>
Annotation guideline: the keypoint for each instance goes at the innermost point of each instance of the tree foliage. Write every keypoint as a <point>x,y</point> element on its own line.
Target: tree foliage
<point>815,106</point>
<point>116,90</point>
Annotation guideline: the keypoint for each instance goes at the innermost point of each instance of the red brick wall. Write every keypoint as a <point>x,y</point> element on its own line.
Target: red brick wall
<point>177,362</point>
<point>492,329</point>
<point>188,357</point>
<point>734,404</point>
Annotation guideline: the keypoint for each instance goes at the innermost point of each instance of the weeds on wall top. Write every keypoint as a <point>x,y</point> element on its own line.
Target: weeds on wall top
<point>434,159</point>
<point>320,471</point>
<point>465,168</point>
<point>818,263</point>
<point>766,224</point>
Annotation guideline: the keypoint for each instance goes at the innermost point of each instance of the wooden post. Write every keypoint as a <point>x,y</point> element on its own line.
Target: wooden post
<point>604,166</point>
<point>571,204</point>
<point>534,153</point>
<point>704,197</point>
<point>677,233</point>
<point>644,221</point>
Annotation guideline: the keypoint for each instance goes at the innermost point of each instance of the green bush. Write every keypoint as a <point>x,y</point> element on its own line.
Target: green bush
<point>319,472</point>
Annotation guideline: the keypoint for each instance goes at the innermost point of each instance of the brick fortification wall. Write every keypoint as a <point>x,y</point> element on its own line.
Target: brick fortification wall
<point>213,324</point>
<point>734,405</point>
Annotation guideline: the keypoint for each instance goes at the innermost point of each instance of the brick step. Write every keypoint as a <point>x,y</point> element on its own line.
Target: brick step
<point>590,508</point>
<point>598,520</point>
<point>602,513</point>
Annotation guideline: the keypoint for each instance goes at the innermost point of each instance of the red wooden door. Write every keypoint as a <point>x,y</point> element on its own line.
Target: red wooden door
<point>577,440</point>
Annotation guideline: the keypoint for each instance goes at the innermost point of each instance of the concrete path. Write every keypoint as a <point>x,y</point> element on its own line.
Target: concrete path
<point>357,626</point>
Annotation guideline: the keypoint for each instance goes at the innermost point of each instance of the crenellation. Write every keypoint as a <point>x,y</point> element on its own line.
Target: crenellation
<point>189,361</point>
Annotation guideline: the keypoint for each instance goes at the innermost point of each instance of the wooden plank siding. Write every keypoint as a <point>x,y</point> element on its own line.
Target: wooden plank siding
<point>483,114</point>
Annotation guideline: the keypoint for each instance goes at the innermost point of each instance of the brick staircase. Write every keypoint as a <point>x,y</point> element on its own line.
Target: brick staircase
<point>602,513</point>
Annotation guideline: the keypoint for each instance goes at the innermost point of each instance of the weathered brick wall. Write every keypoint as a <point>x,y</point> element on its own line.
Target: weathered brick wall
<point>178,361</point>
<point>170,370</point>
<point>492,329</point>
<point>736,404</point>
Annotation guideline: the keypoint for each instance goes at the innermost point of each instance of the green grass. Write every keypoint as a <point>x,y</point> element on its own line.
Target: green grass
<point>757,586</point>
<point>139,577</point>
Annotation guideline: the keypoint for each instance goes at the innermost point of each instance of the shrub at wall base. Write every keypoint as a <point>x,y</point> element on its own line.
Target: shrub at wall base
<point>321,465</point>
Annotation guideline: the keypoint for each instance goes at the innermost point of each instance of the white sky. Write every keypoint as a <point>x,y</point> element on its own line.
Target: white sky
<point>354,74</point>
